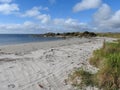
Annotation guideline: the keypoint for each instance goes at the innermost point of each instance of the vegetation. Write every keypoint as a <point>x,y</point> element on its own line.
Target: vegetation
<point>89,34</point>
<point>67,34</point>
<point>81,79</point>
<point>78,34</point>
<point>107,59</point>
<point>113,35</point>
<point>108,49</point>
<point>109,74</point>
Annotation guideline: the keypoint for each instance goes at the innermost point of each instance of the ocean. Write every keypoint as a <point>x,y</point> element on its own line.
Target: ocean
<point>9,39</point>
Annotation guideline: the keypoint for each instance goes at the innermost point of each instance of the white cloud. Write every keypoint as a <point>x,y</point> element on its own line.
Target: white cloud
<point>106,19</point>
<point>86,4</point>
<point>44,18</point>
<point>26,27</point>
<point>32,12</point>
<point>5,1</point>
<point>70,24</point>
<point>114,21</point>
<point>65,21</point>
<point>103,13</point>
<point>69,21</point>
<point>6,8</point>
<point>35,11</point>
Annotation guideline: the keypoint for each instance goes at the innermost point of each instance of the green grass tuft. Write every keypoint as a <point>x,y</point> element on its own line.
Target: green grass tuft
<point>81,78</point>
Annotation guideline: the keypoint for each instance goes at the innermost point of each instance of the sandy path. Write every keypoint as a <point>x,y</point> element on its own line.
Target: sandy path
<point>45,69</point>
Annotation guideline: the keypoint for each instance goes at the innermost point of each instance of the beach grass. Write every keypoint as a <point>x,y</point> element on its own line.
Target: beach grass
<point>109,74</point>
<point>107,60</point>
<point>81,79</point>
<point>103,53</point>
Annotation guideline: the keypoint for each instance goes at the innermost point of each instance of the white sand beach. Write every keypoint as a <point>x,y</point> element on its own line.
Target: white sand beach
<point>45,65</point>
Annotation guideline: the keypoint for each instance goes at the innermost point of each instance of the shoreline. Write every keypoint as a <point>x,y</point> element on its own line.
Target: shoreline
<point>33,46</point>
<point>17,43</point>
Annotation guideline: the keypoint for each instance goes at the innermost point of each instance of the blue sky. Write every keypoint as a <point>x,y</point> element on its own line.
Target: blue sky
<point>41,16</point>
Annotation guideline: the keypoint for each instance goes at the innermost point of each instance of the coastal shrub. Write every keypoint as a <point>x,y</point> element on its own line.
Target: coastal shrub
<point>58,34</point>
<point>71,34</point>
<point>66,34</point>
<point>88,34</point>
<point>92,34</point>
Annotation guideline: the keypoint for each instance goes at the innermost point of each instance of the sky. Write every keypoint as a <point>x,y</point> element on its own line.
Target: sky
<point>42,16</point>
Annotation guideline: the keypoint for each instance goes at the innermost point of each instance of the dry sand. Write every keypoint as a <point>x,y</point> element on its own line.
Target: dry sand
<point>46,65</point>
